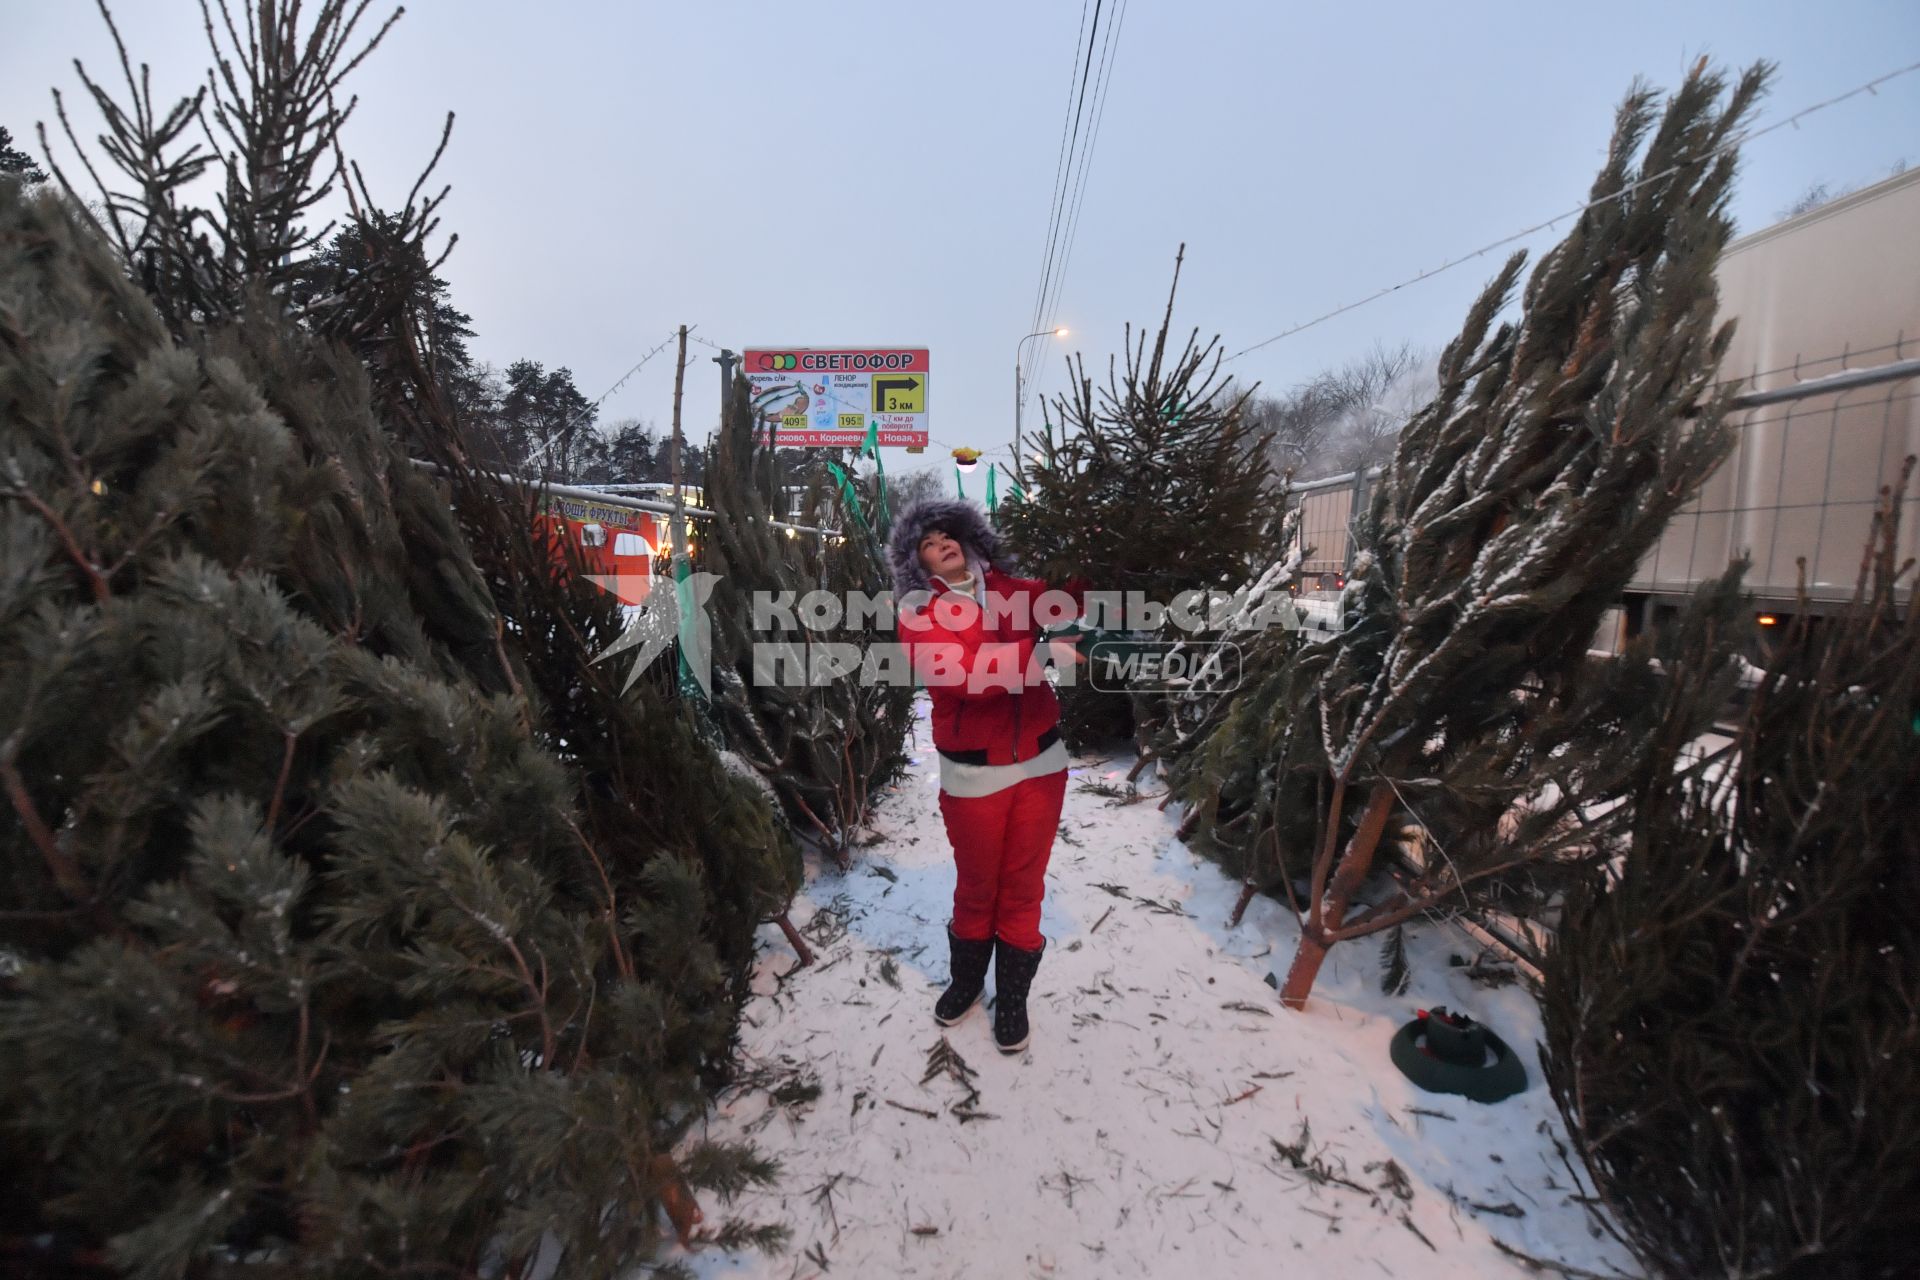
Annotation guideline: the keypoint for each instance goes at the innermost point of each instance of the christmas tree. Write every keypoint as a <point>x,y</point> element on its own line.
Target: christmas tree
<point>1457,695</point>
<point>363,921</point>
<point>826,747</point>
<point>1215,739</point>
<point>1732,1020</point>
<point>313,954</point>
<point>1155,484</point>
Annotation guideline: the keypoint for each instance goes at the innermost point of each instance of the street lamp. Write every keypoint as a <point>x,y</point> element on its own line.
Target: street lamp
<point>1061,332</point>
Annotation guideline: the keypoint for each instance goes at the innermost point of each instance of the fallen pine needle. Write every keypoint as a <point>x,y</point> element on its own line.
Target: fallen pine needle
<point>1102,920</point>
<point>1547,1264</point>
<point>1242,1097</point>
<point>919,1111</point>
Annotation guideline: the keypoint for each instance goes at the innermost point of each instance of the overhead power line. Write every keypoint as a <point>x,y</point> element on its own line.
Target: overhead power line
<point>1870,86</point>
<point>1069,203</point>
<point>1103,81</point>
<point>1063,163</point>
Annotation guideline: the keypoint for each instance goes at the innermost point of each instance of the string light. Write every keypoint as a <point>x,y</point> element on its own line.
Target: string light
<point>546,444</point>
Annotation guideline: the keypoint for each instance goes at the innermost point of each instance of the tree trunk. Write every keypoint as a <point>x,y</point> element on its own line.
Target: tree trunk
<point>798,943</point>
<point>1307,959</point>
<point>1317,933</point>
<point>1247,891</point>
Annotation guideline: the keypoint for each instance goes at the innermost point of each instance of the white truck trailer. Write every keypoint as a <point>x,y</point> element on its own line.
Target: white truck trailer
<point>1827,357</point>
<point>1826,363</point>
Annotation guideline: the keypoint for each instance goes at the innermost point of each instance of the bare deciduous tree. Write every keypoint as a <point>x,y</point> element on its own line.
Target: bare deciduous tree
<point>1346,418</point>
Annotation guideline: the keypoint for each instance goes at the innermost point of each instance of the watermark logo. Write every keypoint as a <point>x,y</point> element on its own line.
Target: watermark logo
<point>668,611</point>
<point>1177,664</point>
<point>813,638</point>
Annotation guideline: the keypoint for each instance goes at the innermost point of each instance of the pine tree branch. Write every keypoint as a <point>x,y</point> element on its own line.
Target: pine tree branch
<point>1280,864</point>
<point>1403,906</point>
<point>60,864</point>
<point>538,993</point>
<point>155,526</point>
<point>536,989</point>
<point>1329,843</point>
<point>826,834</point>
<point>102,592</point>
<point>301,1088</point>
<point>622,960</point>
<point>280,784</point>
<point>1166,322</point>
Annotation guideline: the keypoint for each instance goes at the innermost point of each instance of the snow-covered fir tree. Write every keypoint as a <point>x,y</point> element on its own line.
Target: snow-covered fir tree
<point>1517,503</point>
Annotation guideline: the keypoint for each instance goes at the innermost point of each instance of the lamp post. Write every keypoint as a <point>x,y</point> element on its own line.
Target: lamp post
<point>1018,389</point>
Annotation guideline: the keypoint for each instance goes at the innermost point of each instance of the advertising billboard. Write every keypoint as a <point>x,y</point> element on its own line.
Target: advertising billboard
<point>828,396</point>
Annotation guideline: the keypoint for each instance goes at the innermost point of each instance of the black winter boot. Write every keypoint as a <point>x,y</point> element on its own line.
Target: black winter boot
<point>1013,972</point>
<point>967,970</point>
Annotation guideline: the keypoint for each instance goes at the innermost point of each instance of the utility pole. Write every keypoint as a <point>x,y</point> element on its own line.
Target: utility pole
<point>726,360</point>
<point>679,499</point>
<point>1017,392</point>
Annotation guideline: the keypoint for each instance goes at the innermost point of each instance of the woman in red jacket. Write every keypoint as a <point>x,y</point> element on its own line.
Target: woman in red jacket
<point>974,635</point>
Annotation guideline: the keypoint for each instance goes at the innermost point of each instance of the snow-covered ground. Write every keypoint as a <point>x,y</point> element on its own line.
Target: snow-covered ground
<point>1170,1117</point>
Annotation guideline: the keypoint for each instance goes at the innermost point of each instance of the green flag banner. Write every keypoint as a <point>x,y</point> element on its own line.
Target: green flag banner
<point>849,495</point>
<point>872,449</point>
<point>683,596</point>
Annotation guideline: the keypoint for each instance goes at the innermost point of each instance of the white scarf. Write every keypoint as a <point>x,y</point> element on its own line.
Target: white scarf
<point>975,583</point>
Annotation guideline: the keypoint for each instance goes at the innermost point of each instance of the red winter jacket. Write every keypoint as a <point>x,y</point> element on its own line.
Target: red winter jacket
<point>991,703</point>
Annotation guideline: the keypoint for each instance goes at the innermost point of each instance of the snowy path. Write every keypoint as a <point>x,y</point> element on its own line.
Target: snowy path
<point>1140,1133</point>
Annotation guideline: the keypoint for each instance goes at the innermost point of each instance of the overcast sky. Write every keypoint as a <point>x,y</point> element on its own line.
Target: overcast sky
<point>852,171</point>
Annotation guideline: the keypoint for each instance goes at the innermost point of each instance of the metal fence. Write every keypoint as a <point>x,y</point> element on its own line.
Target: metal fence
<point>1327,507</point>
<point>1810,462</point>
<point>1798,495</point>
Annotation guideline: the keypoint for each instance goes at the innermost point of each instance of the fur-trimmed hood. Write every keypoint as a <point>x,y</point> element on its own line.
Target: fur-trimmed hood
<point>959,519</point>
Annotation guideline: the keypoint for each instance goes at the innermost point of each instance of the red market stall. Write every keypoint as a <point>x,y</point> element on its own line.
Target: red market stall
<point>615,541</point>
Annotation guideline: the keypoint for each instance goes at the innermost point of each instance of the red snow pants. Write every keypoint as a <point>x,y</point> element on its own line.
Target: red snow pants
<point>1001,843</point>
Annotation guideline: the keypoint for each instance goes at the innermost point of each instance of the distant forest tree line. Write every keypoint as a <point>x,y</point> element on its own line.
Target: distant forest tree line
<point>534,419</point>
<point>1346,418</point>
